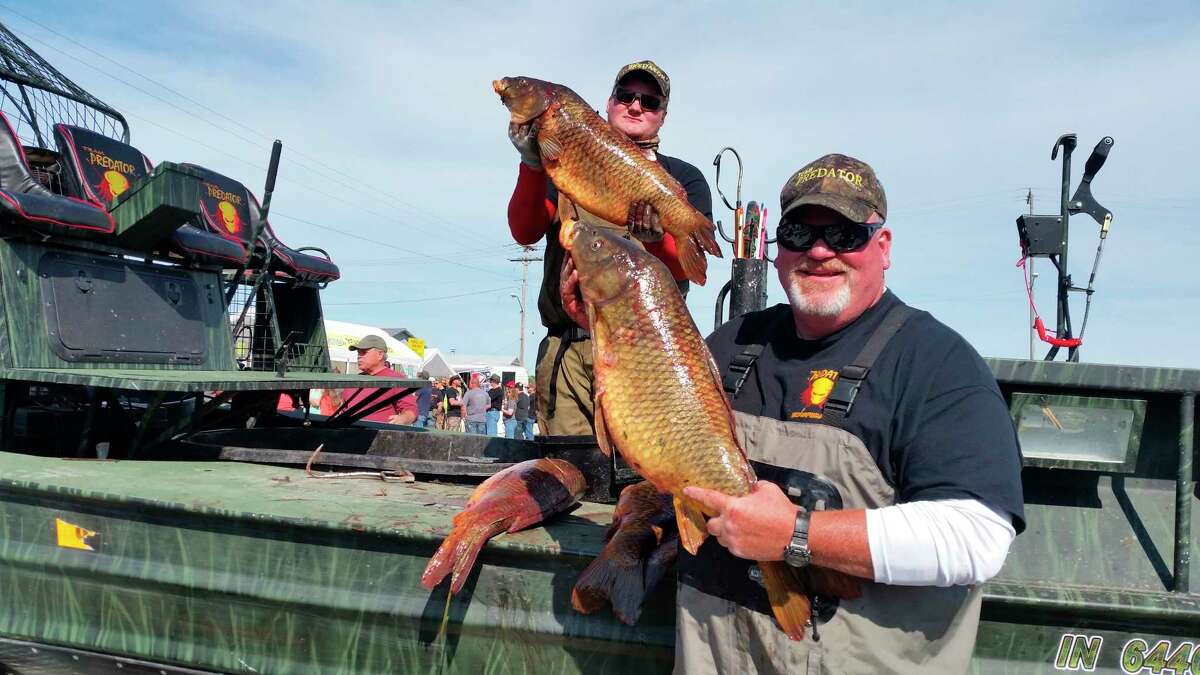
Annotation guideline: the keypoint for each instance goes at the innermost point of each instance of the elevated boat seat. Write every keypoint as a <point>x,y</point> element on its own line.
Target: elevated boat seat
<point>227,226</point>
<point>25,202</point>
<point>294,262</point>
<point>101,168</point>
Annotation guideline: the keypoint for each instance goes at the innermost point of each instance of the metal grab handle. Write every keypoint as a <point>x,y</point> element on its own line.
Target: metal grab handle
<point>717,163</point>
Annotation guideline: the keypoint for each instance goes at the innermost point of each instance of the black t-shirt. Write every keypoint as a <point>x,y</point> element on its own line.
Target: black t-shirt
<point>522,411</point>
<point>929,412</point>
<point>496,396</point>
<point>549,302</point>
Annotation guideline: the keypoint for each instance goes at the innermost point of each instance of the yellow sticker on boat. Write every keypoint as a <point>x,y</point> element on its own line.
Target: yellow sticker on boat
<point>72,536</point>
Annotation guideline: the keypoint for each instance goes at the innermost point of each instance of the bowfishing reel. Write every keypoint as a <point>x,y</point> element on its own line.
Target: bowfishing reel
<point>1046,236</point>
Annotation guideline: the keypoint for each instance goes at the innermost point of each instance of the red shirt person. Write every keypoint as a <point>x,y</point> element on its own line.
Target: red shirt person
<point>372,360</point>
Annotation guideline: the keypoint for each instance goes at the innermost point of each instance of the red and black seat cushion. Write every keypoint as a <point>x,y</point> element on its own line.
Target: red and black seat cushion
<point>225,209</point>
<point>101,168</point>
<point>297,264</point>
<point>25,201</point>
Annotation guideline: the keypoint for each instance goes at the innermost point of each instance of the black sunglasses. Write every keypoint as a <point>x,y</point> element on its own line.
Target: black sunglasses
<point>840,237</point>
<point>650,102</point>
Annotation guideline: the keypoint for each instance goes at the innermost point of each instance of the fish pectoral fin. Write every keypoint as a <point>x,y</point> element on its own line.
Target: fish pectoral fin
<point>692,528</point>
<point>601,425</point>
<point>550,147</point>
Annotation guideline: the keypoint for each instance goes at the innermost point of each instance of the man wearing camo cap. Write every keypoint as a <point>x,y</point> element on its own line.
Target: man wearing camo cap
<point>887,458</point>
<point>637,106</point>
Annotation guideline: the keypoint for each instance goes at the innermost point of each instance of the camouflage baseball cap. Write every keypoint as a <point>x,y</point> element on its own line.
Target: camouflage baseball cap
<point>838,182</point>
<point>650,68</point>
<point>370,342</point>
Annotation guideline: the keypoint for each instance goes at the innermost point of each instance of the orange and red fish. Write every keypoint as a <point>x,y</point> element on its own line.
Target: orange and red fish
<point>522,495</point>
<point>602,171</point>
<point>641,546</point>
<point>658,395</point>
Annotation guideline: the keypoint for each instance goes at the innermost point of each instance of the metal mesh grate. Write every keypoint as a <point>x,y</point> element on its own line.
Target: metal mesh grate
<point>34,96</point>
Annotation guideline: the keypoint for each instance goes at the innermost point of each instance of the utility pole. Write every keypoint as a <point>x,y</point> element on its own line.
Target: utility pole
<point>1032,280</point>
<point>525,259</point>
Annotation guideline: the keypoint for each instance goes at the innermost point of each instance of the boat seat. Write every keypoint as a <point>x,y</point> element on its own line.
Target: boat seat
<point>296,263</point>
<point>24,201</point>
<point>227,211</point>
<point>99,168</point>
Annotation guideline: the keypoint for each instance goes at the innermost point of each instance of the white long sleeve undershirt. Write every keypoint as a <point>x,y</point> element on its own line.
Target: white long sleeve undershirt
<point>938,543</point>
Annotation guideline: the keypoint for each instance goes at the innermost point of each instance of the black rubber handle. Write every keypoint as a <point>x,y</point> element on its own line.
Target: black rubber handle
<point>1099,156</point>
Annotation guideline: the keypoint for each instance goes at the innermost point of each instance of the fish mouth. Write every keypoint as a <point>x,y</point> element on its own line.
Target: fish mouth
<point>498,86</point>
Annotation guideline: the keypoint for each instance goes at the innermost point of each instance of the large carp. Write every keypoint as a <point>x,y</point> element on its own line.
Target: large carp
<point>522,495</point>
<point>658,393</point>
<point>602,171</point>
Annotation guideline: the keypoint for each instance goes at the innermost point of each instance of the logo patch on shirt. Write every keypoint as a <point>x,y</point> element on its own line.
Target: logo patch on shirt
<point>812,399</point>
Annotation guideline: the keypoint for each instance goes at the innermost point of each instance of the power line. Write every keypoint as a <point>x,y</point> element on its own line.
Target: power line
<point>401,302</point>
<point>356,185</point>
<point>377,242</point>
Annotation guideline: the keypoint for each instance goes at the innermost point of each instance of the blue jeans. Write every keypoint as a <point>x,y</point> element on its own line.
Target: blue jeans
<point>524,430</point>
<point>477,428</point>
<point>493,421</point>
<point>424,421</point>
<point>510,428</point>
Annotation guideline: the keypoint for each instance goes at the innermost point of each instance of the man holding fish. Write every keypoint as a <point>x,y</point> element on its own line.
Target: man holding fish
<point>636,109</point>
<point>844,468</point>
<point>889,430</point>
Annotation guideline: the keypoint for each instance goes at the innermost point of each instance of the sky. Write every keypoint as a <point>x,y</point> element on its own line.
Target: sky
<point>396,161</point>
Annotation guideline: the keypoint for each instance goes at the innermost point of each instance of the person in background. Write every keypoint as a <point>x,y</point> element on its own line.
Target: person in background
<point>475,404</point>
<point>496,397</point>
<point>372,360</point>
<point>439,402</point>
<point>509,409</point>
<point>454,415</point>
<point>424,400</point>
<point>524,430</point>
<point>531,392</point>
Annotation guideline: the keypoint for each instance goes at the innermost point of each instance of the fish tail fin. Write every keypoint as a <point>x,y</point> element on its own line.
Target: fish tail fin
<point>454,557</point>
<point>607,578</point>
<point>692,529</point>
<point>660,562</point>
<point>692,259</point>
<point>789,602</point>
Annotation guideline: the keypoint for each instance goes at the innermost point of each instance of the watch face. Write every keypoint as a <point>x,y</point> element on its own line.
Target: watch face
<point>797,557</point>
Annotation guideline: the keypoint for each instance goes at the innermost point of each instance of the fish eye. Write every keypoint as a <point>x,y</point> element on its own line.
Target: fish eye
<point>596,245</point>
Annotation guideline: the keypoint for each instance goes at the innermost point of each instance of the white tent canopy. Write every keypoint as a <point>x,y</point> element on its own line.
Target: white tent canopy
<point>436,365</point>
<point>342,335</point>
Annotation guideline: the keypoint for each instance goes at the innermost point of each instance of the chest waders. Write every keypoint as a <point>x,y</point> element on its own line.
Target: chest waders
<point>724,622</point>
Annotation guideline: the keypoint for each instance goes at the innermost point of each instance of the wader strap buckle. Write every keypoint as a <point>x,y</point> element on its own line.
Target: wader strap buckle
<point>739,369</point>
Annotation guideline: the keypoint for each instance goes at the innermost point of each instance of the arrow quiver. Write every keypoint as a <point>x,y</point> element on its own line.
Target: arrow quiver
<point>747,285</point>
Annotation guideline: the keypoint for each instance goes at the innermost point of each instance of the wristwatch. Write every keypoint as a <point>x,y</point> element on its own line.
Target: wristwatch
<point>797,554</point>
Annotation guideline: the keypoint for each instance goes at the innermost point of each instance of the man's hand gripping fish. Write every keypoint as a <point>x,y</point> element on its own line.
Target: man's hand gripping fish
<point>658,394</point>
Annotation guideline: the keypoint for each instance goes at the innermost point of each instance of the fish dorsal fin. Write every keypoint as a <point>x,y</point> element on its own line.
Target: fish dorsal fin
<point>550,147</point>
